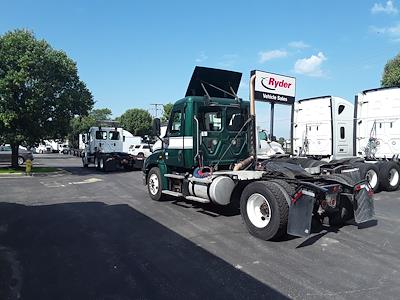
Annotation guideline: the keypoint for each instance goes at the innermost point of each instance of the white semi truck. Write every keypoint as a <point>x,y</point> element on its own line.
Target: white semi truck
<point>366,134</point>
<point>107,149</point>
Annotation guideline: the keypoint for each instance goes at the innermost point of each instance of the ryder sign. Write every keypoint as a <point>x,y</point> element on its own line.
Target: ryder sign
<point>274,88</point>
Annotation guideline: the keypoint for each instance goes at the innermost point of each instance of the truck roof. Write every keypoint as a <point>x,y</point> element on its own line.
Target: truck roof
<point>217,100</point>
<point>313,98</point>
<point>380,89</point>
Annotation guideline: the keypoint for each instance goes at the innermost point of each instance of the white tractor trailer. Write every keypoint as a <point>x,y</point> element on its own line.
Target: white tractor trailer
<point>107,149</point>
<point>365,134</point>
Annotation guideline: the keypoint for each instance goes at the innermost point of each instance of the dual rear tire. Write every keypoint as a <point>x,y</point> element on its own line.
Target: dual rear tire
<point>265,210</point>
<point>389,173</point>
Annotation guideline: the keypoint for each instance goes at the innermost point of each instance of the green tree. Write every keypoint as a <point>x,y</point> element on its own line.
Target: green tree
<point>101,114</point>
<point>391,73</point>
<point>40,91</point>
<point>81,124</point>
<point>167,112</point>
<point>137,121</point>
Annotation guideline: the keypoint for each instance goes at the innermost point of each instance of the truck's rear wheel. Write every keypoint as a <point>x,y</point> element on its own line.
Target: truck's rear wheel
<point>264,210</point>
<point>84,163</point>
<point>389,172</point>
<point>370,172</point>
<point>154,184</point>
<point>101,164</point>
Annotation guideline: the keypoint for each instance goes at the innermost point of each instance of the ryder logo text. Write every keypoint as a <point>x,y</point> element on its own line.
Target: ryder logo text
<point>271,83</point>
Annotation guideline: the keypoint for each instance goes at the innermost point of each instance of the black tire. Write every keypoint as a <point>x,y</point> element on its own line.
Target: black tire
<point>369,171</point>
<point>278,208</point>
<point>389,173</point>
<point>155,188</point>
<point>102,164</point>
<point>83,163</point>
<point>285,187</point>
<point>346,211</point>
<point>97,162</point>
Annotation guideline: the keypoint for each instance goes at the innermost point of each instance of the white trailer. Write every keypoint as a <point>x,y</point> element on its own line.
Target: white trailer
<point>365,135</point>
<point>104,148</point>
<point>377,125</point>
<point>323,127</point>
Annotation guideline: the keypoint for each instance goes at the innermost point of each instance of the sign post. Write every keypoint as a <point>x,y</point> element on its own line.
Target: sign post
<point>273,88</point>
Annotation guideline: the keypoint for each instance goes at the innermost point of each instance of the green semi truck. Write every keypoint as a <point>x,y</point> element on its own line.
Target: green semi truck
<point>208,155</point>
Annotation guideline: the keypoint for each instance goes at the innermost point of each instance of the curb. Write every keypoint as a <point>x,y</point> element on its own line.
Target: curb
<point>22,175</point>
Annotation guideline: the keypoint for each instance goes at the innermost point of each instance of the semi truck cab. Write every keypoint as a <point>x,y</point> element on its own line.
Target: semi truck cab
<point>208,155</point>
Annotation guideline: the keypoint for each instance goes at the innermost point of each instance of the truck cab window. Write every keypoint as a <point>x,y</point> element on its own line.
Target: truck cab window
<point>113,135</point>
<point>101,135</point>
<point>234,119</point>
<point>212,121</point>
<point>176,123</point>
<point>340,109</point>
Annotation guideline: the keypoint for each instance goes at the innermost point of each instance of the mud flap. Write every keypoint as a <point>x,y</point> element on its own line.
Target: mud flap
<point>300,215</point>
<point>363,205</point>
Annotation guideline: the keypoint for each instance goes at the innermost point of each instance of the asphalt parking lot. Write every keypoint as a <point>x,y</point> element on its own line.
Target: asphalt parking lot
<point>90,235</point>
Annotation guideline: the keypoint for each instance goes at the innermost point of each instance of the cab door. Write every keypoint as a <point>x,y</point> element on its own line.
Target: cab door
<point>174,140</point>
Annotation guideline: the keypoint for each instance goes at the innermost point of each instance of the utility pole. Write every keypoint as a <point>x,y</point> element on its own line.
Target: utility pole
<point>156,109</point>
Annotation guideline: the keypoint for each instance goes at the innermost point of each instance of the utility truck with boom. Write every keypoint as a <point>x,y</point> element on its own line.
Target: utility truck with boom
<point>208,155</point>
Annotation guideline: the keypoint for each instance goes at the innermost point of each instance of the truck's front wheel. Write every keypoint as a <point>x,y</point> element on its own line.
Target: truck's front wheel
<point>154,184</point>
<point>264,210</point>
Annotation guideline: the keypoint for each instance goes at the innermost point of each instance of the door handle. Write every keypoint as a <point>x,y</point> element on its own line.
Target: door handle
<point>180,155</point>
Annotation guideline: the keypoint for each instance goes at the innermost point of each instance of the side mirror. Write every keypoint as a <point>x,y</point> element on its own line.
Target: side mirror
<point>156,127</point>
<point>84,138</point>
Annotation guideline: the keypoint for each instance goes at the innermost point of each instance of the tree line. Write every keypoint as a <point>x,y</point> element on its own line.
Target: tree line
<point>42,96</point>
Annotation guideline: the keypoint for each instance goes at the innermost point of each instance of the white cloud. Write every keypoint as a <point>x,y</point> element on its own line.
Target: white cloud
<point>202,57</point>
<point>310,66</point>
<point>298,45</point>
<point>389,8</point>
<point>268,55</point>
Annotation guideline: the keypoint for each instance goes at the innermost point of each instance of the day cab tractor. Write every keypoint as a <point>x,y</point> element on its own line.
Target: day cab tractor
<point>105,148</point>
<point>208,155</point>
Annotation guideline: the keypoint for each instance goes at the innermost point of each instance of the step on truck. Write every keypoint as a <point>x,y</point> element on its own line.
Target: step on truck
<point>208,156</point>
<point>106,148</point>
<point>365,135</point>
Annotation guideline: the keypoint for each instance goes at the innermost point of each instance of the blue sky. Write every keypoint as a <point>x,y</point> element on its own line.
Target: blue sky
<point>134,53</point>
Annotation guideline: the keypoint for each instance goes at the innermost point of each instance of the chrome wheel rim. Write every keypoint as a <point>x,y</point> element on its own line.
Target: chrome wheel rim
<point>372,178</point>
<point>153,184</point>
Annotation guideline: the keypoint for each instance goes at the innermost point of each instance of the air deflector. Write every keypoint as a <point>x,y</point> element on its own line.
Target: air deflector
<point>223,79</point>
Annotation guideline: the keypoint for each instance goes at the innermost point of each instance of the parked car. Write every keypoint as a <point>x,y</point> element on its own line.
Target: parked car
<point>23,155</point>
<point>143,150</point>
<point>63,148</point>
<point>44,148</point>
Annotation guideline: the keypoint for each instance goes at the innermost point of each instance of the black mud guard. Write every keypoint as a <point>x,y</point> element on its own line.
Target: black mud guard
<point>363,205</point>
<point>300,214</point>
